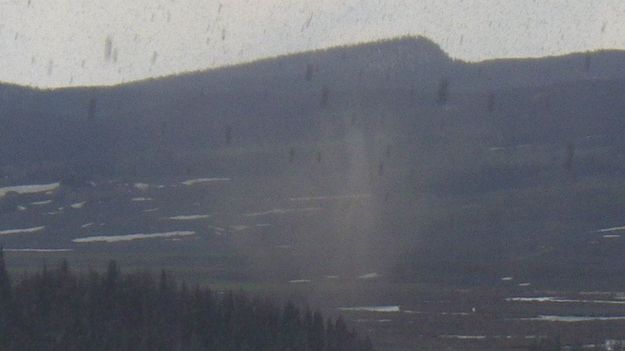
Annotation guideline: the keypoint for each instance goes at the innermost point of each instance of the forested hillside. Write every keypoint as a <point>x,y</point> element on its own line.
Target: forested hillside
<point>56,309</point>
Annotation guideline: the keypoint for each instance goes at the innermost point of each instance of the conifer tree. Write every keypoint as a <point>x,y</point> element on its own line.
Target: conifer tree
<point>6,303</point>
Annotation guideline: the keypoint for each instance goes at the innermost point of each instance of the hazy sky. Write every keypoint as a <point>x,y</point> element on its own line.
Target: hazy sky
<point>86,42</point>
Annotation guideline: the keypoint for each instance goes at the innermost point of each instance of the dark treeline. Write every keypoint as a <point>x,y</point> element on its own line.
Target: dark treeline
<point>59,310</point>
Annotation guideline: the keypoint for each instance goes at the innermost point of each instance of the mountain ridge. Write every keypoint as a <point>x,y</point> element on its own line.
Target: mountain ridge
<point>242,65</point>
<point>420,41</point>
<point>306,98</point>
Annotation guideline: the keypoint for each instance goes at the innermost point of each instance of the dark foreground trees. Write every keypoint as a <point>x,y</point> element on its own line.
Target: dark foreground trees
<point>59,310</point>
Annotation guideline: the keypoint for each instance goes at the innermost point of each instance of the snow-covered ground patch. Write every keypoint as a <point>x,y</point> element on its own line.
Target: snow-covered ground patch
<point>531,299</point>
<point>141,186</point>
<point>141,199</point>
<point>204,180</point>
<point>463,337</point>
<point>369,276</point>
<point>78,205</point>
<point>613,229</point>
<point>543,299</point>
<point>572,319</point>
<point>331,197</point>
<point>40,203</point>
<point>462,314</point>
<point>38,250</point>
<point>280,211</point>
<point>413,312</point>
<point>188,217</point>
<point>455,313</point>
<point>87,225</point>
<point>130,237</point>
<point>29,189</point>
<point>611,236</point>
<point>380,309</point>
<point>21,231</point>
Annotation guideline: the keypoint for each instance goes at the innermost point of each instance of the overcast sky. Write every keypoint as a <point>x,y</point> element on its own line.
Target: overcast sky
<point>51,43</point>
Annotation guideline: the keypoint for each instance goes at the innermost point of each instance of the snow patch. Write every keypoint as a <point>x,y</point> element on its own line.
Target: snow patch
<point>572,319</point>
<point>369,276</point>
<point>141,199</point>
<point>188,217</point>
<point>129,237</point>
<point>331,197</point>
<point>41,203</point>
<point>613,229</point>
<point>204,180</point>
<point>413,312</point>
<point>29,189</point>
<point>21,231</point>
<point>78,205</point>
<point>141,186</point>
<point>381,309</point>
<point>38,250</point>
<point>463,337</point>
<point>455,313</point>
<point>544,299</point>
<point>279,211</point>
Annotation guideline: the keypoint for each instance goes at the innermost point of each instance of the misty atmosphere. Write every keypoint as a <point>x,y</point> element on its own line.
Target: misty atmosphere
<point>380,195</point>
